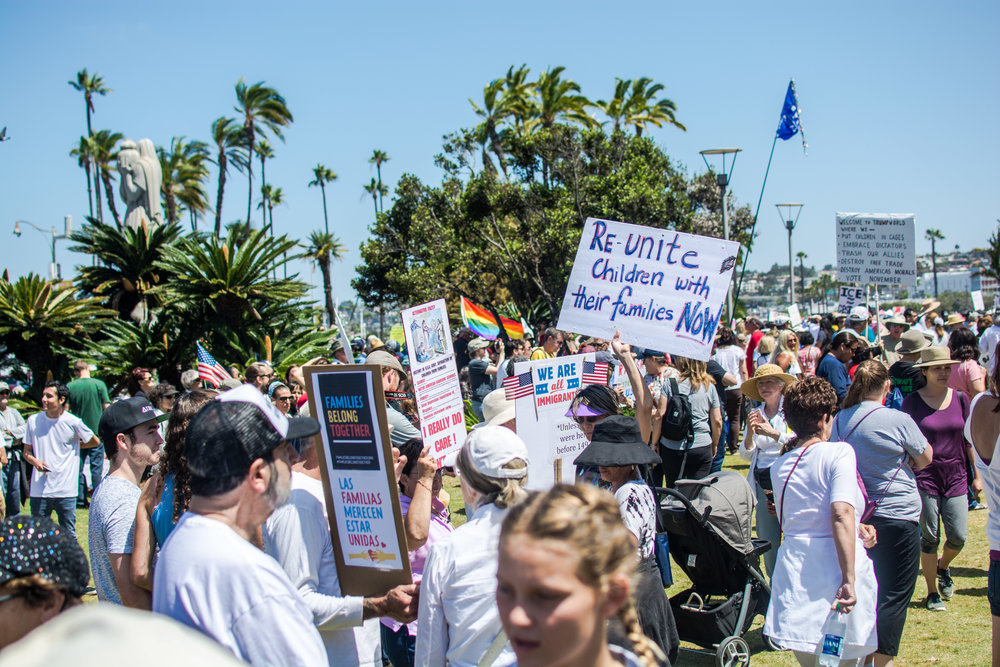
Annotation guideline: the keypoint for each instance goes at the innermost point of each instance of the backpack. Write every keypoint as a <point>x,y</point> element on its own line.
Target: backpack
<point>677,422</point>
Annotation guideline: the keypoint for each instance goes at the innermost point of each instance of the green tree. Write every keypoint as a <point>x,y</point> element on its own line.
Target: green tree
<point>323,175</point>
<point>90,86</point>
<point>634,103</point>
<point>934,235</point>
<point>105,147</point>
<point>992,267</point>
<point>84,154</point>
<point>185,173</point>
<point>42,322</point>
<point>264,152</point>
<point>802,271</point>
<point>261,108</point>
<point>127,265</point>
<point>379,158</point>
<point>227,136</point>
<point>323,248</point>
<point>376,190</point>
<point>559,99</point>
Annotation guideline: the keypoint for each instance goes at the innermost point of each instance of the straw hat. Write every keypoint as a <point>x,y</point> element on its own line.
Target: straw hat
<point>927,306</point>
<point>896,319</point>
<point>936,355</point>
<point>749,388</point>
<point>954,318</point>
<point>912,341</point>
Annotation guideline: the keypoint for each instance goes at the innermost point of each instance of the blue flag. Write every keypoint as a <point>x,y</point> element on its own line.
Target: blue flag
<point>790,123</point>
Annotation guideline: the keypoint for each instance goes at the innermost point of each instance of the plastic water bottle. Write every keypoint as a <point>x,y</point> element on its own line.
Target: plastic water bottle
<point>832,647</point>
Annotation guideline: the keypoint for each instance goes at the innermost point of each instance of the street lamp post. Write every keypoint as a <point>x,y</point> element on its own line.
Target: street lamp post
<point>789,222</point>
<point>722,179</point>
<point>55,271</point>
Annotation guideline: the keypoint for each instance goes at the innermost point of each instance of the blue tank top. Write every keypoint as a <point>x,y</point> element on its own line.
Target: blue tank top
<point>163,513</point>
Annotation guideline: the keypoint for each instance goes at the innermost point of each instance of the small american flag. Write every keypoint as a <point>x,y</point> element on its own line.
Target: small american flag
<point>595,372</point>
<point>210,370</point>
<point>518,386</point>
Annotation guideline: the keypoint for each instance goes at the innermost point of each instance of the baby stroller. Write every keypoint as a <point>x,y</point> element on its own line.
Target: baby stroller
<point>708,525</point>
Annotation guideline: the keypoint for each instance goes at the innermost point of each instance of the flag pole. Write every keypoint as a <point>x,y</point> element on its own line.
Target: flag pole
<point>753,227</point>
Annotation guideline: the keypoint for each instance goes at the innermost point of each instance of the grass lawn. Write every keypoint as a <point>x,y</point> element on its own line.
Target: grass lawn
<point>959,636</point>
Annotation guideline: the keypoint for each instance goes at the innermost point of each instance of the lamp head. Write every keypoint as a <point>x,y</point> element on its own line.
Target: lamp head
<point>17,229</point>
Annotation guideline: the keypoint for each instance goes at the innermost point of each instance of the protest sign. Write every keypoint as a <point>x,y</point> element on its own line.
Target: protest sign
<point>396,334</point>
<point>362,497</point>
<point>794,316</point>
<point>663,289</point>
<point>849,298</point>
<point>435,377</point>
<point>619,379</point>
<point>876,249</point>
<point>977,300</point>
<point>553,440</point>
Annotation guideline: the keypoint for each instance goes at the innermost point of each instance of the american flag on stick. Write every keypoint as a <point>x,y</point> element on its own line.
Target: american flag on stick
<point>209,369</point>
<point>595,372</point>
<point>518,386</point>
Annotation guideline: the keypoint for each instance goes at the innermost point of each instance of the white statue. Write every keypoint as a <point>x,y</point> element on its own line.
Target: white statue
<point>141,178</point>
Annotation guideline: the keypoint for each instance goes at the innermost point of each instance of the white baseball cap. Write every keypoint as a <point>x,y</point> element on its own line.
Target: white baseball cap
<point>490,449</point>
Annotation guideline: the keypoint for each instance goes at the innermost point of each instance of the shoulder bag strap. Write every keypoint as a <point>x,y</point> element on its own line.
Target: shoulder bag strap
<point>493,652</point>
<point>855,427</point>
<point>781,510</point>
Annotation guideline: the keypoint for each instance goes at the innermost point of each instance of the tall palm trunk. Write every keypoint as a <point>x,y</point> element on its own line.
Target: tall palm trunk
<point>110,193</point>
<point>326,220</point>
<point>375,203</point>
<point>90,135</point>
<point>218,196</point>
<point>97,191</point>
<point>263,193</point>
<point>249,132</point>
<point>90,189</point>
<point>378,170</point>
<point>324,268</point>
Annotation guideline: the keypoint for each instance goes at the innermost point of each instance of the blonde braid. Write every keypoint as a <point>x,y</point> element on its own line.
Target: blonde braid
<point>644,649</point>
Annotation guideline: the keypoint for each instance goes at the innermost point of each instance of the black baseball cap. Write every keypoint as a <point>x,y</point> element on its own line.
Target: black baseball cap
<point>124,415</point>
<point>36,545</point>
<point>238,427</point>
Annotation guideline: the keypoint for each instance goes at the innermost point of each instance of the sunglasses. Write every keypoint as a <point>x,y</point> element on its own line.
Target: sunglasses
<point>5,598</point>
<point>4,394</point>
<point>282,398</point>
<point>588,420</point>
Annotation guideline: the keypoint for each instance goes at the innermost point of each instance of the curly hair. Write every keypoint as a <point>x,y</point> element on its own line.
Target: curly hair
<point>173,448</point>
<point>806,403</point>
<point>574,515</point>
<point>963,345</point>
<point>35,590</point>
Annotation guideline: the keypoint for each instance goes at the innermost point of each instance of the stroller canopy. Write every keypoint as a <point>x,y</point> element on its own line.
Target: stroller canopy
<point>731,500</point>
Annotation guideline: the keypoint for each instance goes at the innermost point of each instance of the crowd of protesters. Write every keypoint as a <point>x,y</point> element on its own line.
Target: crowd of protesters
<point>864,436</point>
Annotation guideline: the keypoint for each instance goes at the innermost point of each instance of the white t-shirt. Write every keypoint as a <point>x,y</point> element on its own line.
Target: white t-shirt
<point>211,579</point>
<point>639,514</point>
<point>730,357</point>
<point>56,442</point>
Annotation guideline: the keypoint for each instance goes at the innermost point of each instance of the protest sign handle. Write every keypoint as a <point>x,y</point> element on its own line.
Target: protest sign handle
<point>878,325</point>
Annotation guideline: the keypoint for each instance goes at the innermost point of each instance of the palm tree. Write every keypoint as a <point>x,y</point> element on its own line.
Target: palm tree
<point>42,323</point>
<point>322,248</point>
<point>802,271</point>
<point>559,98</point>
<point>84,154</point>
<point>184,175</point>
<point>104,144</point>
<point>614,108</point>
<point>376,190</point>
<point>379,158</point>
<point>89,86</point>
<point>934,235</point>
<point>228,138</point>
<point>261,108</point>
<point>323,175</point>
<point>126,270</point>
<point>264,151</point>
<point>641,110</point>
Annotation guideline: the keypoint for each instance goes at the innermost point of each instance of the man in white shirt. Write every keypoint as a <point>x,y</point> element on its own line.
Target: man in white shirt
<point>130,432</point>
<point>988,344</point>
<point>297,535</point>
<point>12,431</point>
<point>52,442</point>
<point>209,575</point>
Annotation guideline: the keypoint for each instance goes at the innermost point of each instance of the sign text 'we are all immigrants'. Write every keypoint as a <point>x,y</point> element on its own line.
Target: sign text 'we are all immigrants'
<point>664,289</point>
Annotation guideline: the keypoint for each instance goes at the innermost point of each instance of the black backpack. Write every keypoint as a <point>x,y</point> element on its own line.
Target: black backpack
<point>677,422</point>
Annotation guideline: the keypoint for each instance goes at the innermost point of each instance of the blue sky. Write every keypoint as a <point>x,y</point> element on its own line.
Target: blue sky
<point>899,99</point>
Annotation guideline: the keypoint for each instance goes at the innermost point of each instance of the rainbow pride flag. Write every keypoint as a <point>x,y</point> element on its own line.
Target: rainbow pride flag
<point>482,322</point>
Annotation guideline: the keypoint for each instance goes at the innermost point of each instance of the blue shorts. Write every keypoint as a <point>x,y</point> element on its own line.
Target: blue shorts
<point>993,587</point>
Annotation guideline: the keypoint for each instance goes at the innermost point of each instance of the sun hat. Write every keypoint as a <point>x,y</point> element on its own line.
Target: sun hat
<point>927,306</point>
<point>230,383</point>
<point>954,318</point>
<point>749,387</point>
<point>935,355</point>
<point>384,359</point>
<point>4,386</point>
<point>497,409</point>
<point>121,416</point>
<point>858,314</point>
<point>477,344</point>
<point>617,442</point>
<point>239,426</point>
<point>896,319</point>
<point>36,545</point>
<point>491,449</point>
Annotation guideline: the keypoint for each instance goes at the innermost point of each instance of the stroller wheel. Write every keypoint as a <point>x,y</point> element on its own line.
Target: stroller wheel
<point>733,652</point>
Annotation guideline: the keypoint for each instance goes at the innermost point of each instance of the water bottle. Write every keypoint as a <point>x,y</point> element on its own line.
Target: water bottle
<point>832,646</point>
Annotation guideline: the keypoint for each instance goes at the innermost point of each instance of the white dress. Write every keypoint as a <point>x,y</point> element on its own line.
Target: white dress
<point>807,574</point>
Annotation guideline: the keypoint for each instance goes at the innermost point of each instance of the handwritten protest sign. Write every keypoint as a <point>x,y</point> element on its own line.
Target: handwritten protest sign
<point>876,249</point>
<point>663,289</point>
<point>553,440</point>
<point>849,298</point>
<point>794,316</point>
<point>435,377</point>
<point>362,497</point>
<point>977,300</point>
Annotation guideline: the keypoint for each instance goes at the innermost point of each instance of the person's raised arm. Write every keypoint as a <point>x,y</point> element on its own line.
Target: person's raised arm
<point>844,539</point>
<point>143,541</point>
<point>501,352</point>
<point>643,397</point>
<point>418,517</point>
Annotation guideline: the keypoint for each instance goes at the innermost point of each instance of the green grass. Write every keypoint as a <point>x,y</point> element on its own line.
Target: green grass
<point>959,636</point>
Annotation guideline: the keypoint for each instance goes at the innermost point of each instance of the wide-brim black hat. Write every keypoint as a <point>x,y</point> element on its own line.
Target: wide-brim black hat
<point>617,442</point>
